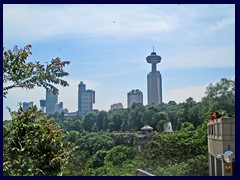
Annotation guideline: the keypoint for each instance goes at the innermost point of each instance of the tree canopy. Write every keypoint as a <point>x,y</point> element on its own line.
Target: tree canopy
<point>33,145</point>
<point>17,72</point>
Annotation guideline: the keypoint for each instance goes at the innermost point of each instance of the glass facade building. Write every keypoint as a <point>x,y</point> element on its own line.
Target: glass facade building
<point>86,98</point>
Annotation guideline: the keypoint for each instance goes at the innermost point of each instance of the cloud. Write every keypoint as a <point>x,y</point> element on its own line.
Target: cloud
<point>200,57</point>
<point>39,22</point>
<point>222,24</point>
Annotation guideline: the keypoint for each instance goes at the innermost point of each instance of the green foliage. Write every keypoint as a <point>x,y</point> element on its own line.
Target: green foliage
<point>135,114</point>
<point>123,138</point>
<point>147,118</point>
<point>186,127</point>
<point>117,121</point>
<point>160,118</point>
<point>95,142</point>
<point>169,149</point>
<point>97,160</point>
<point>88,121</point>
<point>33,145</point>
<point>102,120</point>
<point>94,127</point>
<point>119,154</point>
<point>197,166</point>
<point>19,73</point>
<point>72,136</point>
<point>127,168</point>
<point>221,96</point>
<point>73,124</point>
<point>172,170</point>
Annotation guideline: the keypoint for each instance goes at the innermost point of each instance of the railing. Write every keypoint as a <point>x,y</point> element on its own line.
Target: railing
<point>141,172</point>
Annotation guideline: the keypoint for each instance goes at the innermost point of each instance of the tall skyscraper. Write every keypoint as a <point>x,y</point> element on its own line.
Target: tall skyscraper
<point>86,98</point>
<point>154,80</point>
<point>51,100</point>
<point>27,105</point>
<point>134,96</point>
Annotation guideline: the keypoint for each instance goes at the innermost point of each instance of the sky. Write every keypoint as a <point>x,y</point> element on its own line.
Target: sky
<point>107,45</point>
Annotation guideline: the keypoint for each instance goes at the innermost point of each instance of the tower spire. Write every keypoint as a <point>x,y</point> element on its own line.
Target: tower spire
<point>153,48</point>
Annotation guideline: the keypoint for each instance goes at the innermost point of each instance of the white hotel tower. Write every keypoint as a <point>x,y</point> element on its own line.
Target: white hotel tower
<point>154,80</point>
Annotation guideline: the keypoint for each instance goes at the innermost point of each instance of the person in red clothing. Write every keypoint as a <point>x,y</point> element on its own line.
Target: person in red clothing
<point>212,116</point>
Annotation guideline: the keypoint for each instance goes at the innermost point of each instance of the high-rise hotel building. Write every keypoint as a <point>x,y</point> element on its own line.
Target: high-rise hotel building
<point>86,99</point>
<point>134,96</point>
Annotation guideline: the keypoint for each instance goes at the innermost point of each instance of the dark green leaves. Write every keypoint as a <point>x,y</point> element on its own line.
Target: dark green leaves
<point>17,72</point>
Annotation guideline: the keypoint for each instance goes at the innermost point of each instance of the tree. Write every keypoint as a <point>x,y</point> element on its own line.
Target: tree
<point>221,96</point>
<point>186,127</point>
<point>119,154</point>
<point>135,114</point>
<point>197,166</point>
<point>97,160</point>
<point>185,108</point>
<point>33,145</point>
<point>94,127</point>
<point>94,143</point>
<point>117,120</point>
<point>160,118</point>
<point>147,116</point>
<point>17,72</point>
<point>111,126</point>
<point>72,136</point>
<point>89,121</point>
<point>102,120</point>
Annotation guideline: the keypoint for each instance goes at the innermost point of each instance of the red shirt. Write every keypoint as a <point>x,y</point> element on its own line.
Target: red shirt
<point>212,117</point>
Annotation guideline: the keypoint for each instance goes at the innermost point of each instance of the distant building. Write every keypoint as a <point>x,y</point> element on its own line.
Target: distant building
<point>86,98</point>
<point>134,96</point>
<point>59,107</point>
<point>51,101</point>
<point>69,115</point>
<point>65,110</point>
<point>154,80</point>
<point>42,104</point>
<point>116,106</point>
<point>95,110</point>
<point>27,105</point>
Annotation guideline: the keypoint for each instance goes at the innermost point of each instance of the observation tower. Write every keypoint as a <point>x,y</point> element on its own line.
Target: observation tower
<point>154,80</point>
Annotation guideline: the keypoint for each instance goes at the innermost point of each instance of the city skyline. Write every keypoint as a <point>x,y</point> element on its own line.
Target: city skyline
<point>107,46</point>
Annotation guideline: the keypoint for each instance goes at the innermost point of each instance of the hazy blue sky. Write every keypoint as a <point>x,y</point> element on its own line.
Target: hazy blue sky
<point>108,45</point>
